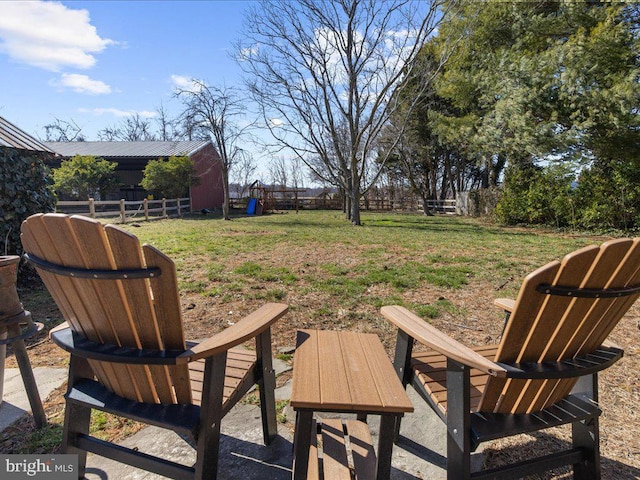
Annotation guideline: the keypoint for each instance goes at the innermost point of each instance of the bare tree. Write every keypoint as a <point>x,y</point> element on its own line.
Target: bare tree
<point>166,126</point>
<point>216,109</point>
<point>109,134</point>
<point>63,131</point>
<point>279,172</point>
<point>133,128</point>
<point>243,172</point>
<point>323,73</point>
<point>296,172</point>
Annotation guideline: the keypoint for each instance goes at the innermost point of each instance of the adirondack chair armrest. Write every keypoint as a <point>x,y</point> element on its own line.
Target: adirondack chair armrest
<point>506,304</point>
<point>249,327</point>
<point>431,337</point>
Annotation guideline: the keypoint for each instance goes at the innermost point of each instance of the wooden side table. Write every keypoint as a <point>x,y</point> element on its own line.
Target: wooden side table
<point>346,372</point>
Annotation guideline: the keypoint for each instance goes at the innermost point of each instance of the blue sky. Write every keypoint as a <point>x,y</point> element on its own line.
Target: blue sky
<point>94,62</point>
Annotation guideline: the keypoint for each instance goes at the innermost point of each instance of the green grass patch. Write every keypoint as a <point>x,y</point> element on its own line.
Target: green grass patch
<point>379,302</point>
<point>435,309</point>
<point>193,286</point>
<point>45,440</point>
<point>271,295</point>
<point>426,311</point>
<point>266,274</point>
<point>216,273</point>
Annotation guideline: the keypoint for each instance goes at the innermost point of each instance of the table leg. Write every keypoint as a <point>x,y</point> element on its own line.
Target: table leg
<point>385,446</point>
<point>301,442</point>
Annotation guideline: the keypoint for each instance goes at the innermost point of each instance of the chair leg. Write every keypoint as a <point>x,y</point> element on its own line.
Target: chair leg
<point>77,418</point>
<point>587,437</point>
<point>76,422</point>
<point>267,385</point>
<point>402,365</point>
<point>458,421</point>
<point>208,447</point>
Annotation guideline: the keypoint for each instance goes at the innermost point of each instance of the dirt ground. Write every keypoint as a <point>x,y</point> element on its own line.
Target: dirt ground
<point>480,324</point>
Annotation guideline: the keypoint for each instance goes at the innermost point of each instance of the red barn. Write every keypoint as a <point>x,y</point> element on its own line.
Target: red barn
<point>132,158</point>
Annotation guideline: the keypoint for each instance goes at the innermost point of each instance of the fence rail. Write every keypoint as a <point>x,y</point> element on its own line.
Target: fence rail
<point>378,204</point>
<point>443,206</point>
<point>126,209</point>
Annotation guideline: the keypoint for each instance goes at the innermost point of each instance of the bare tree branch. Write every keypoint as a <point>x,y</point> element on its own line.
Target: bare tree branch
<point>63,131</point>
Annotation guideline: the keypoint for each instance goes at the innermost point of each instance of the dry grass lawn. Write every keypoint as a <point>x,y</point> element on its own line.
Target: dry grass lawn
<point>337,276</point>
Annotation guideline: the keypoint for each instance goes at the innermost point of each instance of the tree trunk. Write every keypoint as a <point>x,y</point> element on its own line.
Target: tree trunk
<point>354,198</point>
<point>225,191</point>
<point>425,204</point>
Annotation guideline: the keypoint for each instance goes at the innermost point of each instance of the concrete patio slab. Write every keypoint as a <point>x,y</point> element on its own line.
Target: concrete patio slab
<point>420,454</point>
<point>15,403</point>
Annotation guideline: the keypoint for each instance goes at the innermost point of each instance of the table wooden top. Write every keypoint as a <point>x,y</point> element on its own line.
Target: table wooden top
<point>345,371</point>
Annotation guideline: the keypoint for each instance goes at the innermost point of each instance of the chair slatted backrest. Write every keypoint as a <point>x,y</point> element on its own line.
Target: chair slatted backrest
<point>134,313</point>
<point>545,327</point>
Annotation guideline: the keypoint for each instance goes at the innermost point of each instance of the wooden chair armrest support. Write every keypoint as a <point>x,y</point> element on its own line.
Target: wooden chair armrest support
<point>433,338</point>
<point>247,328</point>
<point>580,366</point>
<point>506,304</point>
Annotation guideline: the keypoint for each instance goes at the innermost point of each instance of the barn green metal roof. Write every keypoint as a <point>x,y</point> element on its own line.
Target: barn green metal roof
<point>11,136</point>
<point>127,149</point>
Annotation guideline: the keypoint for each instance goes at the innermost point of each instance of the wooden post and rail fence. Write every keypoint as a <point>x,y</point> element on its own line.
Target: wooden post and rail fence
<point>127,209</point>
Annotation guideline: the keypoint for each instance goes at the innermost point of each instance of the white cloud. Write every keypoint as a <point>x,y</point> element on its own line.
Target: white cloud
<point>116,112</point>
<point>49,35</point>
<point>180,82</point>
<point>82,84</point>
<point>275,122</point>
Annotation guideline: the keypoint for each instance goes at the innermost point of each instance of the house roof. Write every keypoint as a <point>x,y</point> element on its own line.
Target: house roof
<point>11,136</point>
<point>127,149</point>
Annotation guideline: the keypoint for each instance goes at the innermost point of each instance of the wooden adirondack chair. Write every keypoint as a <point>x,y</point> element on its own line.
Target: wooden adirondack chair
<point>128,353</point>
<point>544,371</point>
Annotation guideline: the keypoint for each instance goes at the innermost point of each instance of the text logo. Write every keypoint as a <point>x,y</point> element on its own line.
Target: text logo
<point>28,467</point>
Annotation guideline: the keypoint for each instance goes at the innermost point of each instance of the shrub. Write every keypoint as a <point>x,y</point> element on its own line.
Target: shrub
<point>25,189</point>
<point>534,195</point>
<point>85,176</point>
<point>609,196</point>
<point>514,205</point>
<point>170,178</point>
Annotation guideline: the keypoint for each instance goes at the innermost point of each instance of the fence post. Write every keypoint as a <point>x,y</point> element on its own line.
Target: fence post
<point>92,208</point>
<point>178,205</point>
<point>123,213</point>
<point>164,207</point>
<point>145,204</point>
